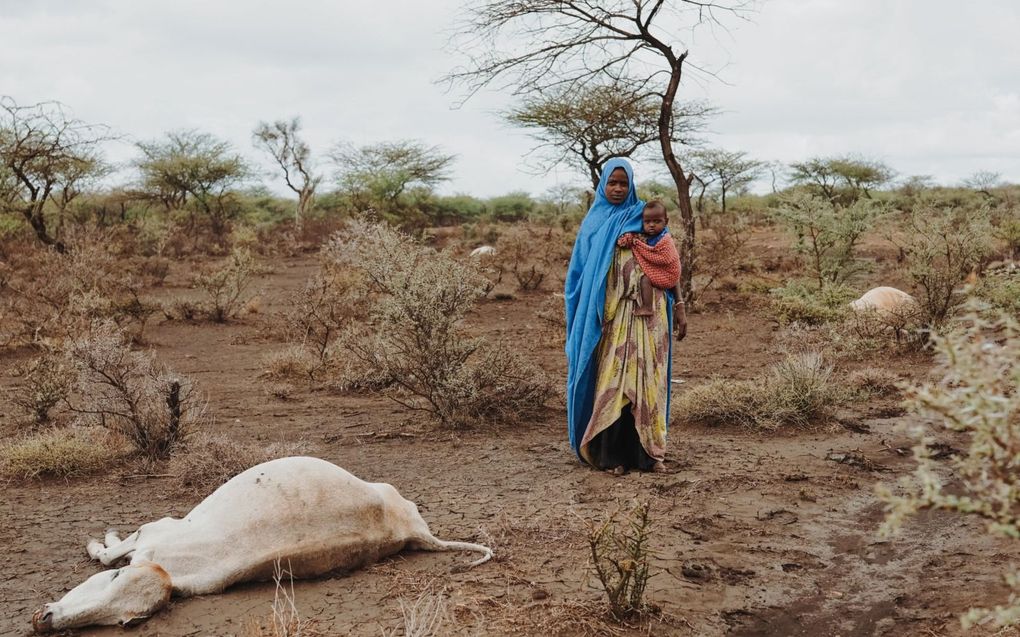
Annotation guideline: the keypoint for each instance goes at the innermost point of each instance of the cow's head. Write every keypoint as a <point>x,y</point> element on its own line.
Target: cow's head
<point>121,596</point>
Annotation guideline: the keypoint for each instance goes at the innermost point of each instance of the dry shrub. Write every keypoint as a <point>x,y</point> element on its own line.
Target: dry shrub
<point>1007,230</point>
<point>553,315</point>
<point>531,254</point>
<point>182,309</point>
<point>348,372</point>
<point>619,554</point>
<point>293,362</point>
<point>60,453</point>
<point>1000,288</point>
<point>153,270</point>
<point>903,322</point>
<point>874,381</point>
<point>45,383</point>
<point>209,460</point>
<point>941,249</point>
<point>798,391</point>
<point>416,339</point>
<point>856,336</point>
<point>721,252</point>
<point>283,619</point>
<point>226,288</point>
<point>49,294</point>
<point>280,391</point>
<point>331,301</point>
<point>128,392</point>
<point>976,395</point>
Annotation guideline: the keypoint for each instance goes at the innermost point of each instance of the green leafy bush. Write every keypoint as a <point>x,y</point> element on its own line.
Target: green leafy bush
<point>941,250</point>
<point>797,302</point>
<point>976,394</point>
<point>827,235</point>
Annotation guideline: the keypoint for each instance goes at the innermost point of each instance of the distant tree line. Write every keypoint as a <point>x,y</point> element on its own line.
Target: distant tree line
<point>52,169</point>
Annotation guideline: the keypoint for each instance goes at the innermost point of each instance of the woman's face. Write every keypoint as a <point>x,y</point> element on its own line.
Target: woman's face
<point>617,187</point>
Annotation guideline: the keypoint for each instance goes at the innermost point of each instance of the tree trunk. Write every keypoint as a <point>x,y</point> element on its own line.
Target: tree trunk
<point>34,215</point>
<point>682,181</point>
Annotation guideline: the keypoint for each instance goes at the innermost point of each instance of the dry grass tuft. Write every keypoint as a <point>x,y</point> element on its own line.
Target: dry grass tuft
<point>291,363</point>
<point>874,381</point>
<point>60,453</point>
<point>283,620</point>
<point>797,391</point>
<point>426,616</point>
<point>210,460</point>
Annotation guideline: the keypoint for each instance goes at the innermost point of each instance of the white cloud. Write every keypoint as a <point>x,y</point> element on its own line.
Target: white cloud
<point>928,86</point>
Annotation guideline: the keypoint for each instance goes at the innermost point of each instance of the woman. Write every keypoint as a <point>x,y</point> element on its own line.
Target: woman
<point>618,366</point>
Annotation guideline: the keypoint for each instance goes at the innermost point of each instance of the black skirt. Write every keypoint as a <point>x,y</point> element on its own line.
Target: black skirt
<point>619,446</point>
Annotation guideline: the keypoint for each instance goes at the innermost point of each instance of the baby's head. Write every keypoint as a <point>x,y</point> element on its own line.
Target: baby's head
<point>654,217</point>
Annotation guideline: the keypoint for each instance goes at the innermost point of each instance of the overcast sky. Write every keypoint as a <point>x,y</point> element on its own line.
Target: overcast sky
<point>929,86</point>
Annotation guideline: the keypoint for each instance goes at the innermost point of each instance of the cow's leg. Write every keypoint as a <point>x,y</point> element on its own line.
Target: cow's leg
<point>111,538</point>
<point>110,554</point>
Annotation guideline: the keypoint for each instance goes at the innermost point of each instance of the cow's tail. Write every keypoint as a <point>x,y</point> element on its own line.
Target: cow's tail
<point>435,544</point>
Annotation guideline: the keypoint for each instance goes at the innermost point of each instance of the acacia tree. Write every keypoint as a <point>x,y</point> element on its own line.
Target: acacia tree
<point>600,122</point>
<point>191,166</point>
<point>377,175</point>
<point>291,153</point>
<point>725,170</point>
<point>46,160</point>
<point>543,46</point>
<point>841,179</point>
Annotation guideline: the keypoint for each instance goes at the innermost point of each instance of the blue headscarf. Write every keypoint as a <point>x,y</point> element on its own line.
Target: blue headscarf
<point>585,292</point>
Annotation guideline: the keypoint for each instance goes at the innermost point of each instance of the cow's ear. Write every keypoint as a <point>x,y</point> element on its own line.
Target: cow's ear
<point>134,621</point>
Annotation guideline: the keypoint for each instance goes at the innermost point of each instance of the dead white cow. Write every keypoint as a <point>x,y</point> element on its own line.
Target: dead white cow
<point>483,251</point>
<point>887,308</point>
<point>883,300</point>
<point>308,514</point>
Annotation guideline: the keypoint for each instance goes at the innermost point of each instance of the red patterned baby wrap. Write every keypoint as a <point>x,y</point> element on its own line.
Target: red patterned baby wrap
<point>660,263</point>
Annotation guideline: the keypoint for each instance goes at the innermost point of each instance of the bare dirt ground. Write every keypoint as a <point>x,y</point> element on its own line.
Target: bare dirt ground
<point>754,534</point>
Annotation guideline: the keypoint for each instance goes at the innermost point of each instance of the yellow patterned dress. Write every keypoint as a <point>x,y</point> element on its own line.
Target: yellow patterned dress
<point>628,423</point>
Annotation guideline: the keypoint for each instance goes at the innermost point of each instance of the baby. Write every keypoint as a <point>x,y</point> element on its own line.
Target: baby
<point>657,255</point>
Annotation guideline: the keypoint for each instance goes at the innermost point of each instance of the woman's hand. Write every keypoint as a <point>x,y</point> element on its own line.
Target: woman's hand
<point>679,320</point>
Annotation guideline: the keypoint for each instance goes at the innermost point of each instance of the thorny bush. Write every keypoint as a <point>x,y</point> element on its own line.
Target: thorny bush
<point>226,287</point>
<point>620,552</point>
<point>941,249</point>
<point>45,383</point>
<point>46,294</point>
<point>416,337</point>
<point>977,394</point>
<point>531,254</point>
<point>321,312</point>
<point>827,235</point>
<point>129,392</point>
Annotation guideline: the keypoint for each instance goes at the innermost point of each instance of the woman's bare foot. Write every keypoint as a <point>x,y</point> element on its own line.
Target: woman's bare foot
<point>617,471</point>
<point>658,467</point>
